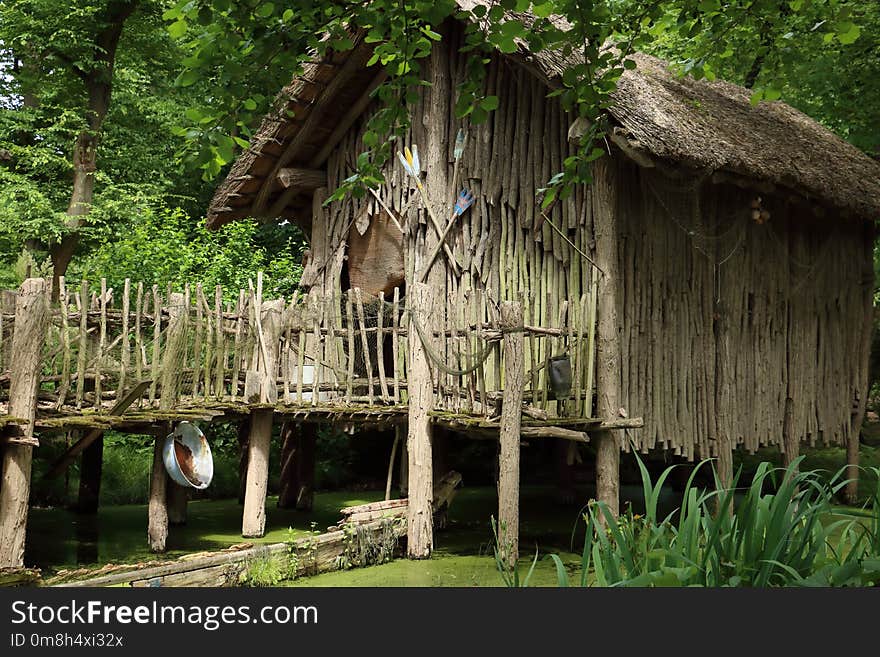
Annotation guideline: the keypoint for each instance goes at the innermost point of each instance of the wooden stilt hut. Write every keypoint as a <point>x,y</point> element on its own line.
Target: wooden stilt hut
<point>710,290</point>
<point>720,264</point>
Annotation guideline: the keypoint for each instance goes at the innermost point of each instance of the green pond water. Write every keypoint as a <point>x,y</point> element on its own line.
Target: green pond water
<point>60,539</point>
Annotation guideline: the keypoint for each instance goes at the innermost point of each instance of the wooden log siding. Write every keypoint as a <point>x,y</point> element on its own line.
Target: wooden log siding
<point>787,289</point>
<point>503,258</point>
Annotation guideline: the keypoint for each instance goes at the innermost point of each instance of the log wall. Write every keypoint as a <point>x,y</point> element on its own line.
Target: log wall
<point>723,318</point>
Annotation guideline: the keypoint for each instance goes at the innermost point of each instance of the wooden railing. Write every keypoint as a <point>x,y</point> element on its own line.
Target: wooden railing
<point>200,347</point>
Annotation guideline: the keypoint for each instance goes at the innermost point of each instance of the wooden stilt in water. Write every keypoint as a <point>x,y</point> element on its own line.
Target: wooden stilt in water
<point>420,538</point>
<point>263,371</point>
<point>31,324</point>
<point>403,475</point>
<point>178,496</point>
<point>297,466</point>
<point>91,464</point>
<point>394,447</point>
<point>607,347</point>
<point>511,420</point>
<point>157,507</point>
<point>254,517</point>
<point>289,480</point>
<point>305,496</point>
<point>244,430</point>
<point>175,346</point>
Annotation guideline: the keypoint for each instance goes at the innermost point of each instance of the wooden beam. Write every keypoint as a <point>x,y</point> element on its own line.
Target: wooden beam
<point>344,124</point>
<point>77,448</point>
<point>304,179</point>
<point>31,324</point>
<point>317,114</point>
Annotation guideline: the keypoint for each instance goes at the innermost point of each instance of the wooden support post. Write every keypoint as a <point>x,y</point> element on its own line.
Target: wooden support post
<point>157,506</point>
<point>305,496</point>
<point>289,480</point>
<point>253,523</point>
<point>90,468</point>
<point>264,368</point>
<point>420,531</point>
<point>244,431</point>
<point>790,443</point>
<point>511,420</point>
<point>604,195</point>
<point>297,466</point>
<point>723,445</point>
<point>851,493</point>
<point>403,474</point>
<point>31,324</point>
<point>172,370</point>
<point>391,458</point>
<point>177,498</point>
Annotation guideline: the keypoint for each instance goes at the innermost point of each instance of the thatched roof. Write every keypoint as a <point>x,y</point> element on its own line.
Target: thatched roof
<point>710,127</point>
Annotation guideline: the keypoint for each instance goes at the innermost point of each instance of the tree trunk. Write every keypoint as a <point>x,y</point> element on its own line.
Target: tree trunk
<point>31,323</point>
<point>98,81</point>
<point>91,464</point>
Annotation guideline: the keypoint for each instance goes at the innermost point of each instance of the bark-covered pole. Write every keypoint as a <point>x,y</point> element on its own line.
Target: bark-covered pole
<point>264,369</point>
<point>607,332</point>
<point>864,355</point>
<point>31,323</point>
<point>420,530</point>
<point>172,368</point>
<point>511,420</point>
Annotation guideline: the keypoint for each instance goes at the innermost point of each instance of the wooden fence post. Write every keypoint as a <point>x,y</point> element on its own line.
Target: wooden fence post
<point>31,324</point>
<point>511,420</point>
<point>420,529</point>
<point>264,370</point>
<point>604,195</point>
<point>172,370</point>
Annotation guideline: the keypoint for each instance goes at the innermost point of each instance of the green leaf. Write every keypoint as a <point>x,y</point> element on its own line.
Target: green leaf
<point>756,97</point>
<point>250,104</point>
<point>287,15</point>
<point>265,10</point>
<point>187,78</point>
<point>772,94</point>
<point>177,29</point>
<point>543,10</point>
<point>489,103</point>
<point>848,32</point>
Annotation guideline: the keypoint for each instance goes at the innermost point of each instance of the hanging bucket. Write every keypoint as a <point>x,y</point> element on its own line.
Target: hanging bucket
<point>187,457</point>
<point>559,369</point>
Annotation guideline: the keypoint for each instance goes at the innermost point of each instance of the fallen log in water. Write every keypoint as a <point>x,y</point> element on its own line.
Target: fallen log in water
<point>305,556</point>
<point>444,492</point>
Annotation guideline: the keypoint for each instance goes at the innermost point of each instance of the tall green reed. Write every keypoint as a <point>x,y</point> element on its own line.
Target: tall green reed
<point>733,536</point>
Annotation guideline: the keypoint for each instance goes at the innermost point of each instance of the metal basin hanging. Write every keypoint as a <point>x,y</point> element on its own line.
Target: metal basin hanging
<point>187,457</point>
